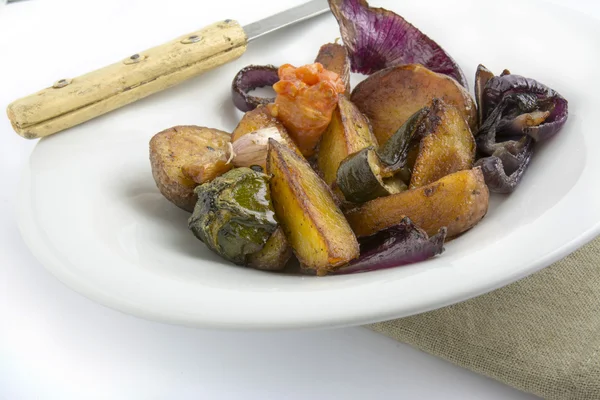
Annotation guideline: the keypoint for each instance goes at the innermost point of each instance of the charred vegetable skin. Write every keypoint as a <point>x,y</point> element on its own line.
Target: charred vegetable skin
<point>457,201</point>
<point>516,112</point>
<point>389,97</point>
<point>314,226</point>
<point>360,178</point>
<point>248,79</point>
<point>306,99</point>
<point>395,153</point>
<point>234,216</point>
<point>398,245</point>
<point>369,173</point>
<point>378,38</point>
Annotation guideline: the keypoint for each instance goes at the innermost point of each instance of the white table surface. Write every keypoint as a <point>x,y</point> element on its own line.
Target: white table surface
<point>57,344</point>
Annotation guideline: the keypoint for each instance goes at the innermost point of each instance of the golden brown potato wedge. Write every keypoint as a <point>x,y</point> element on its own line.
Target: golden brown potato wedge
<point>348,133</point>
<point>183,146</point>
<point>448,147</point>
<point>334,57</point>
<point>457,201</point>
<point>274,255</point>
<point>389,97</point>
<point>314,226</point>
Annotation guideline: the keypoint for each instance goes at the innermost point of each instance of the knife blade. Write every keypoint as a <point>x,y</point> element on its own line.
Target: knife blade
<point>72,101</point>
<point>286,18</point>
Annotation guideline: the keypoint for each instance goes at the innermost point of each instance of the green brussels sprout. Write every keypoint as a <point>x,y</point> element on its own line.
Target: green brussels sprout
<point>234,216</point>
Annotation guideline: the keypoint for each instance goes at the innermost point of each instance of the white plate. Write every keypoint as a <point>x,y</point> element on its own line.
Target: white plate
<point>91,213</point>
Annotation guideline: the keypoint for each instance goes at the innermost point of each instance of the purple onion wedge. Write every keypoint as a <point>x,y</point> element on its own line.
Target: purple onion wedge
<point>377,38</point>
<point>504,170</point>
<point>248,79</point>
<point>398,245</point>
<point>527,107</point>
<point>514,113</point>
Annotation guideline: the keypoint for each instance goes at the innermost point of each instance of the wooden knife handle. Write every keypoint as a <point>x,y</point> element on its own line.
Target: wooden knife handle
<point>70,102</point>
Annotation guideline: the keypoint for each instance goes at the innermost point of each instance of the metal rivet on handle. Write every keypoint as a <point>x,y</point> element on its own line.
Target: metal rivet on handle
<point>136,58</point>
<point>191,39</point>
<point>61,83</point>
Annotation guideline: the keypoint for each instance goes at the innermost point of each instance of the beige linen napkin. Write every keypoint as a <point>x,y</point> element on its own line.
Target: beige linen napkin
<point>540,335</point>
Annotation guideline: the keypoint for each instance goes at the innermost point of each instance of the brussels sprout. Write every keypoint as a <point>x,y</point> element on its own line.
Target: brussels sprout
<point>234,216</point>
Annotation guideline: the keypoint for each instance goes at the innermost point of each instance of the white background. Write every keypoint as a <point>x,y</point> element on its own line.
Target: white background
<point>56,344</point>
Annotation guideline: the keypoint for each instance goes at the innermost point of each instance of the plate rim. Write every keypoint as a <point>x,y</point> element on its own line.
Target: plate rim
<point>27,227</point>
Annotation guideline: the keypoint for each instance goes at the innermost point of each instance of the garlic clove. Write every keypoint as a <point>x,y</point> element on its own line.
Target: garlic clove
<point>251,149</point>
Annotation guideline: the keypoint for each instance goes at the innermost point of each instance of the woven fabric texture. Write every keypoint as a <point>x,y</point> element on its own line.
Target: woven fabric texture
<point>540,334</point>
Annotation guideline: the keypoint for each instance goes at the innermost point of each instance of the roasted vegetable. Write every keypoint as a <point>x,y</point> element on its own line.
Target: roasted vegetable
<point>395,153</point>
<point>348,132</point>
<point>398,245</point>
<point>306,99</point>
<point>482,76</point>
<point>448,146</point>
<point>378,38</point>
<point>514,108</point>
<point>334,57</point>
<point>258,119</point>
<point>234,216</point>
<point>183,156</point>
<point>274,256</point>
<point>251,150</point>
<point>360,178</point>
<point>504,170</point>
<point>248,79</point>
<point>371,173</point>
<point>526,107</point>
<point>314,226</point>
<point>209,166</point>
<point>456,201</point>
<point>254,120</point>
<point>389,97</point>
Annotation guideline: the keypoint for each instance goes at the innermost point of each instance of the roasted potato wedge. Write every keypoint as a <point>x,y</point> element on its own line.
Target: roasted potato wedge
<point>334,57</point>
<point>457,201</point>
<point>348,133</point>
<point>274,255</point>
<point>446,148</point>
<point>178,148</point>
<point>389,97</point>
<point>260,118</point>
<point>314,226</point>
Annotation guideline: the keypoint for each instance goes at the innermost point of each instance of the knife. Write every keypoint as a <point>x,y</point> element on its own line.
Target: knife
<point>69,102</point>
